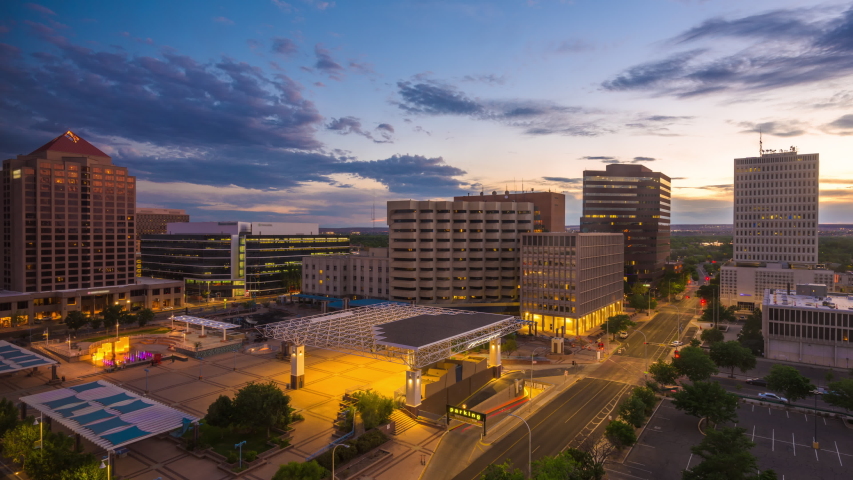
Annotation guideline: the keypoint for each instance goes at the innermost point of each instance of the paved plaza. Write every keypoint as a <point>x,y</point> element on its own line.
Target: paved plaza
<point>328,375</point>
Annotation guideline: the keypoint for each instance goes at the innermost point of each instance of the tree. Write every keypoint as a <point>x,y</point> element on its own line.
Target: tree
<point>732,355</point>
<point>144,316</point>
<point>840,394</point>
<point>648,397</point>
<point>617,323</point>
<point>18,442</point>
<point>695,364</point>
<point>88,471</point>
<point>789,382</point>
<point>8,416</point>
<point>261,406</point>
<point>712,335</point>
<point>95,322</point>
<point>76,320</point>
<point>707,400</point>
<point>509,344</point>
<point>633,411</point>
<point>220,413</point>
<point>591,455</point>
<point>112,314</point>
<point>375,409</point>
<point>620,434</point>
<point>300,471</point>
<point>559,467</point>
<point>57,456</point>
<point>750,335</point>
<point>504,471</point>
<point>663,373</point>
<point>16,319</point>
<point>726,455</point>
<point>723,313</point>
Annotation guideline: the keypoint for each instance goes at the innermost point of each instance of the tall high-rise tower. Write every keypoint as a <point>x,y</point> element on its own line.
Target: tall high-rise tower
<point>634,201</point>
<point>776,208</point>
<point>68,219</point>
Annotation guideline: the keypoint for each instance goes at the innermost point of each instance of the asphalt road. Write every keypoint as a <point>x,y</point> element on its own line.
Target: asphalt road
<point>660,330</point>
<point>553,427</point>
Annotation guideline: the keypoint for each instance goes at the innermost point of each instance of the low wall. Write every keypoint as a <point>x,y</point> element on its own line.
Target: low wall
<point>459,391</point>
<point>233,347</point>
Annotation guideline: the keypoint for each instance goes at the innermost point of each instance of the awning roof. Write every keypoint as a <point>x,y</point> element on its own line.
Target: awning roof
<point>205,322</point>
<point>14,358</point>
<point>107,415</point>
<point>362,302</point>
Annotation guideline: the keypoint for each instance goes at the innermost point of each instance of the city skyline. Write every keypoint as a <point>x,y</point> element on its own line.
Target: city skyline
<point>313,111</point>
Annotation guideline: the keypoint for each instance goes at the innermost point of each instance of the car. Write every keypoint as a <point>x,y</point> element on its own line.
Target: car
<point>676,343</point>
<point>757,381</point>
<point>671,388</point>
<point>623,334</point>
<point>820,391</point>
<point>772,397</point>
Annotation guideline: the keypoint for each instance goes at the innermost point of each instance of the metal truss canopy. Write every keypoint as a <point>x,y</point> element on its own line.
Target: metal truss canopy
<point>359,331</point>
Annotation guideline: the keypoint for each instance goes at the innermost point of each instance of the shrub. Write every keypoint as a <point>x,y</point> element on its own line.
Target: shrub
<point>342,454</point>
<point>370,440</point>
<point>633,411</point>
<point>300,471</point>
<point>647,395</point>
<point>620,434</point>
<point>231,457</point>
<point>251,456</point>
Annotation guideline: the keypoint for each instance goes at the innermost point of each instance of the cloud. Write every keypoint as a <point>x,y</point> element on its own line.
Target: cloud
<point>534,117</point>
<point>599,157</point>
<point>326,64</point>
<point>361,68</point>
<point>490,79</point>
<point>782,128</point>
<point>224,20</point>
<point>284,46</point>
<point>384,133</point>
<point>219,122</point>
<point>283,6</point>
<point>571,46</point>
<point>723,187</point>
<point>39,8</point>
<point>643,159</point>
<point>679,178</point>
<point>573,181</point>
<point>777,49</point>
<point>841,126</point>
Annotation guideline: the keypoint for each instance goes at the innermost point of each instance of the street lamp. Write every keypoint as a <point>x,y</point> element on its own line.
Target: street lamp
<point>107,464</point>
<point>333,457</point>
<point>240,446</point>
<point>531,370</point>
<point>146,381</point>
<point>529,445</point>
<point>40,422</point>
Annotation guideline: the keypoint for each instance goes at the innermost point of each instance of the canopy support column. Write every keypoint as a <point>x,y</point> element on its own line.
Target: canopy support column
<point>224,338</point>
<point>202,332</point>
<point>297,367</point>
<point>495,352</point>
<point>413,390</point>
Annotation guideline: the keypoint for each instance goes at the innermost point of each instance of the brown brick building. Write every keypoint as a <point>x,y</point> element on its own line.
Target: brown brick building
<point>549,208</point>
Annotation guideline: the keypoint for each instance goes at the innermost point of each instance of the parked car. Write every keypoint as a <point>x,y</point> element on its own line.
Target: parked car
<point>676,343</point>
<point>623,334</point>
<point>671,388</point>
<point>772,397</point>
<point>757,381</point>
<point>820,391</point>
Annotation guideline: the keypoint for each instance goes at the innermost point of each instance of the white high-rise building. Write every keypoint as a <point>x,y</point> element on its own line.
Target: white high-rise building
<point>775,225</point>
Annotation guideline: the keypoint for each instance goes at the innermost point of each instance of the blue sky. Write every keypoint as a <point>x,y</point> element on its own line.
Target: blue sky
<point>312,111</point>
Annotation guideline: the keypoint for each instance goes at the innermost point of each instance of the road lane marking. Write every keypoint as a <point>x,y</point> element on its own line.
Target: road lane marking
<point>644,445</point>
<point>773,441</point>
<point>537,448</point>
<point>753,433</point>
<point>815,454</point>
<point>794,444</point>
<point>824,420</point>
<point>786,413</point>
<point>838,452</point>
<point>688,462</point>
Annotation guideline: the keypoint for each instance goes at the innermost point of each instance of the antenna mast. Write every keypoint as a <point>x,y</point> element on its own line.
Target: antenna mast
<point>760,143</point>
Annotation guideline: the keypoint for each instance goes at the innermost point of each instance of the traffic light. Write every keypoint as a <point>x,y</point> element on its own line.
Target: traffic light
<point>703,302</point>
<point>707,279</point>
<point>601,345</point>
<point>676,355</point>
<point>687,296</point>
<point>713,261</point>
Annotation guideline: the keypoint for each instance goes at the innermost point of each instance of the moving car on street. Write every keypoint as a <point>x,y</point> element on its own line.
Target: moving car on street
<point>676,343</point>
<point>772,397</point>
<point>623,334</point>
<point>757,381</point>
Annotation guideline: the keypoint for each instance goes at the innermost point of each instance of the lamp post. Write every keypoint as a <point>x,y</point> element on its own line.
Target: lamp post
<point>645,341</point>
<point>815,443</point>
<point>531,369</point>
<point>107,464</point>
<point>333,457</point>
<point>529,445</point>
<point>240,446</point>
<point>146,381</point>
<point>40,422</point>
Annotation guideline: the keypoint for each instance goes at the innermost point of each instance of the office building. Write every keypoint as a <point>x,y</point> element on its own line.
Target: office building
<point>153,221</point>
<point>775,227</point>
<point>549,208</point>
<point>236,259</point>
<point>571,282</point>
<point>808,325</point>
<point>360,275</point>
<point>452,253</point>
<point>634,201</point>
<point>68,231</point>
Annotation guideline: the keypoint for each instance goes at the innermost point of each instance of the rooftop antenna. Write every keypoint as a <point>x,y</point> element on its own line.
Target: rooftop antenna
<point>760,142</point>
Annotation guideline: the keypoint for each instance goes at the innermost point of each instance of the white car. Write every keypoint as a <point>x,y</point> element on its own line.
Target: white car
<point>820,391</point>
<point>676,343</point>
<point>623,334</point>
<point>772,397</point>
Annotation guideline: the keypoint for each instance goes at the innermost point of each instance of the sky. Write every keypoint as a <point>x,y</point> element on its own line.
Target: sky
<point>315,111</point>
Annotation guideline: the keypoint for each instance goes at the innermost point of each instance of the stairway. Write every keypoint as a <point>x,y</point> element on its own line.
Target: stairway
<point>402,421</point>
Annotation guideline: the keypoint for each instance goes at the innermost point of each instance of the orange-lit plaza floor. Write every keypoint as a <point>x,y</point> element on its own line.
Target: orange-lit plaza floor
<point>328,375</point>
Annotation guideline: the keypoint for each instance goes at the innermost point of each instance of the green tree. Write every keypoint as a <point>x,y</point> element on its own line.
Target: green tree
<point>559,467</point>
<point>726,455</point>
<point>694,342</point>
<point>76,320</point>
<point>707,400</point>
<point>300,471</point>
<point>8,416</point>
<point>95,322</point>
<point>16,319</point>
<point>723,313</point>
<point>18,442</point>
<point>750,335</point>
<point>509,344</point>
<point>663,373</point>
<point>375,409</point>
<point>647,395</point>
<point>695,364</point>
<point>712,335</point>
<point>633,411</point>
<point>221,412</point>
<point>732,355</point>
<point>144,317</point>
<point>789,382</point>
<point>58,455</point>
<point>620,434</point>
<point>260,406</point>
<point>617,323</point>
<point>87,471</point>
<point>503,471</point>
<point>840,394</point>
<point>112,314</point>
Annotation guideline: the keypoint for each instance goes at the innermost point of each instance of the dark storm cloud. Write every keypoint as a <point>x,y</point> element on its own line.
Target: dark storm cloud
<point>841,126</point>
<point>173,118</point>
<point>326,64</point>
<point>785,48</point>
<point>534,117</point>
<point>284,46</point>
<point>787,128</point>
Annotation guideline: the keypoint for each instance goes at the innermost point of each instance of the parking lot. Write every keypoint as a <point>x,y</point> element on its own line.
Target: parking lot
<point>783,442</point>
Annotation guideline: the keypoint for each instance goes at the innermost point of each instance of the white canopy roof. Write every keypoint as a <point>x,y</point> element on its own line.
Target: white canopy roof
<point>205,322</point>
<point>14,358</point>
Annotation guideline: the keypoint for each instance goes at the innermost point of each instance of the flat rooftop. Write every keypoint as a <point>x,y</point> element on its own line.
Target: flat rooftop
<point>423,330</point>
<point>780,298</point>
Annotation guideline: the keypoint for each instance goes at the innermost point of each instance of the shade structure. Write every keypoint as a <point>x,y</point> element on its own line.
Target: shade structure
<point>14,358</point>
<point>106,414</point>
<point>205,322</point>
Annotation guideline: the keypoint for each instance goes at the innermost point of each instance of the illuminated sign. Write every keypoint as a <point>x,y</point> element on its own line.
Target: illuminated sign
<point>97,292</point>
<point>466,416</point>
